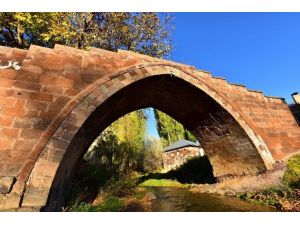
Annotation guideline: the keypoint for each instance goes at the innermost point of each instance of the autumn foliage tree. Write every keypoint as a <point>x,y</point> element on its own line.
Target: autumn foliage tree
<point>147,33</point>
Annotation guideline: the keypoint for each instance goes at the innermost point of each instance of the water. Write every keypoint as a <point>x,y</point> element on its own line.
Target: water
<point>174,199</point>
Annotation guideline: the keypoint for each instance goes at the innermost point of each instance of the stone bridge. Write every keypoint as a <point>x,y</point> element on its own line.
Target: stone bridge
<point>55,102</point>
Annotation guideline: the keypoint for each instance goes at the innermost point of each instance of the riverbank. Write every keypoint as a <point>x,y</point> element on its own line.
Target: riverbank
<point>279,188</point>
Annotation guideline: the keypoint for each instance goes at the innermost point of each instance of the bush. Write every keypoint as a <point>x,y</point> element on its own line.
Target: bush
<point>87,181</point>
<point>83,207</point>
<point>111,204</point>
<point>119,187</point>
<point>291,176</point>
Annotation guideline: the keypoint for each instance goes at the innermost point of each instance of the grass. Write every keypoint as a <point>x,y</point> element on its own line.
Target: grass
<point>111,204</point>
<point>162,183</point>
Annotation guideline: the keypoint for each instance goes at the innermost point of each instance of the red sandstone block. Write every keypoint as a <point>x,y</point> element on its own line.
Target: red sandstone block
<point>6,121</point>
<point>41,123</point>
<point>23,123</point>
<point>16,156</point>
<point>52,89</point>
<point>6,92</point>
<point>42,97</point>
<point>61,82</point>
<point>6,143</point>
<point>30,134</point>
<point>53,62</point>
<point>35,96</point>
<point>24,145</point>
<point>51,113</point>
<point>61,100</point>
<point>72,91</point>
<point>47,80</point>
<point>73,76</point>
<point>28,76</point>
<point>35,104</point>
<point>6,82</point>
<point>89,75</point>
<point>18,54</point>
<point>32,68</point>
<point>32,113</point>
<point>27,85</point>
<point>53,109</point>
<point>17,110</point>
<point>7,101</point>
<point>9,132</point>
<point>8,74</point>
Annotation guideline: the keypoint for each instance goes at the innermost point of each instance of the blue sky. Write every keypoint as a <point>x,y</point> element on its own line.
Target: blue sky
<point>258,50</point>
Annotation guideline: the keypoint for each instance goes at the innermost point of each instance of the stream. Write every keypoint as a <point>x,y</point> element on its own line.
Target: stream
<point>174,199</point>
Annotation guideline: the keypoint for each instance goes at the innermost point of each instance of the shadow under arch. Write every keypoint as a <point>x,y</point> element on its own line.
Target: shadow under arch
<point>229,148</point>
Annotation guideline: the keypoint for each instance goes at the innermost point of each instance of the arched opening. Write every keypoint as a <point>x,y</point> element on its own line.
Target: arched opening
<point>126,159</point>
<point>230,150</point>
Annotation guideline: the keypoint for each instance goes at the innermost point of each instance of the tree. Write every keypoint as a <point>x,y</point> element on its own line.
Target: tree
<point>170,130</point>
<point>120,145</point>
<point>103,151</point>
<point>152,158</point>
<point>44,29</point>
<point>146,33</point>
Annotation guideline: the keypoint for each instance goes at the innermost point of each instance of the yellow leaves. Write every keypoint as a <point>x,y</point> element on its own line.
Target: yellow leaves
<point>146,33</point>
<point>21,17</point>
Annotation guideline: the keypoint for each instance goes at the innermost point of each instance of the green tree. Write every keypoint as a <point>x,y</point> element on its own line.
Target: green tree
<point>120,145</point>
<point>170,130</point>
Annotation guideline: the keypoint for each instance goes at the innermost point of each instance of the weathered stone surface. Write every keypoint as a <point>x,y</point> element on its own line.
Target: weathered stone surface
<point>35,198</point>
<point>6,184</point>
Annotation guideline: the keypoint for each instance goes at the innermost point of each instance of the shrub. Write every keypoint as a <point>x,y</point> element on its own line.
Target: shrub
<point>83,207</point>
<point>291,176</point>
<point>112,204</point>
<point>119,187</point>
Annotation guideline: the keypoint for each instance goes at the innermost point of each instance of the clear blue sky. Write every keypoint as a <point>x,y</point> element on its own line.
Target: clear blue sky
<point>258,50</point>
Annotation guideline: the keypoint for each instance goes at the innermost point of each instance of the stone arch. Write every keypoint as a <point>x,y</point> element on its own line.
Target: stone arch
<point>223,130</point>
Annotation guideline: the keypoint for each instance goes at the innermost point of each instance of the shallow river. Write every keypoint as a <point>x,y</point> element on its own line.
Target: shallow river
<point>174,199</point>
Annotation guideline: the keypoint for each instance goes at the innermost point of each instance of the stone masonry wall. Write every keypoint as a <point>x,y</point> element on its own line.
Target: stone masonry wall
<point>177,157</point>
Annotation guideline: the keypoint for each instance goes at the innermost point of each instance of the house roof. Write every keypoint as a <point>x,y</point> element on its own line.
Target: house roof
<point>181,144</point>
